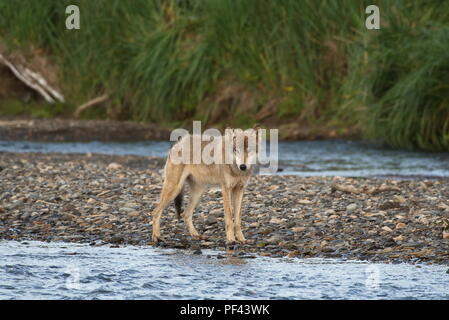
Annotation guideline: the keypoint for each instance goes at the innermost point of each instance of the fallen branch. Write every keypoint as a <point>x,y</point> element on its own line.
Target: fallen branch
<point>33,80</point>
<point>89,104</point>
<point>348,189</point>
<point>373,191</point>
<point>383,189</point>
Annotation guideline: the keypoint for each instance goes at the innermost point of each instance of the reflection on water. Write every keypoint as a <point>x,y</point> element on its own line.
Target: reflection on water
<point>307,158</point>
<point>38,270</point>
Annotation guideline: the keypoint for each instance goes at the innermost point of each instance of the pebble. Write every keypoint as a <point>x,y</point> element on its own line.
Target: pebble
<point>276,220</point>
<point>116,239</point>
<point>210,220</point>
<point>254,225</point>
<point>114,166</point>
<point>274,238</point>
<point>134,214</point>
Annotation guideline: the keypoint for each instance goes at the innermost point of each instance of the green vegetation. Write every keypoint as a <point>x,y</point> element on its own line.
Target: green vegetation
<point>14,107</point>
<point>298,63</point>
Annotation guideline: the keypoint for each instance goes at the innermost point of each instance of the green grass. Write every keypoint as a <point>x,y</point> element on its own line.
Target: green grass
<point>14,107</point>
<point>306,62</point>
<point>410,103</point>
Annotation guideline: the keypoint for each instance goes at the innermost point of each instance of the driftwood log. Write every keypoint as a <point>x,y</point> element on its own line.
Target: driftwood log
<point>33,79</point>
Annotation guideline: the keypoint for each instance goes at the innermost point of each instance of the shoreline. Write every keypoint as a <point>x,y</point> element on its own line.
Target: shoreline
<point>107,200</point>
<point>74,130</point>
<point>68,130</point>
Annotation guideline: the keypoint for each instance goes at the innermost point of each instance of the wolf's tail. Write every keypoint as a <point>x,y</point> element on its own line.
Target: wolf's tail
<point>178,203</point>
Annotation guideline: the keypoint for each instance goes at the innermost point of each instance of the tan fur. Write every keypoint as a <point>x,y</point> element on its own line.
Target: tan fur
<point>200,177</point>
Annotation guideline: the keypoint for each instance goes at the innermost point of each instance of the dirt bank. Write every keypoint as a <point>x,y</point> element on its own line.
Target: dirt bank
<point>78,130</point>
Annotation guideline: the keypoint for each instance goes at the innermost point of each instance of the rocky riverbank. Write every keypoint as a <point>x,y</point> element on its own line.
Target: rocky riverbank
<point>106,200</point>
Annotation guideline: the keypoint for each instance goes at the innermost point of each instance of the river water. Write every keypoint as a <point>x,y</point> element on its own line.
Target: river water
<point>38,270</point>
<point>306,158</point>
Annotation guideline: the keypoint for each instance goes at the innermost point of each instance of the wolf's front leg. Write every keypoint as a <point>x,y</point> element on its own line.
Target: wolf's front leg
<point>237,197</point>
<point>156,223</point>
<point>230,236</point>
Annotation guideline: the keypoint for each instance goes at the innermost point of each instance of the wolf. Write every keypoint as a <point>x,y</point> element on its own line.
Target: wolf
<point>237,159</point>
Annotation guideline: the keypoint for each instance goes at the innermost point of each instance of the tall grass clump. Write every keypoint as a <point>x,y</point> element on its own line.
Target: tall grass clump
<point>411,91</point>
<point>403,81</point>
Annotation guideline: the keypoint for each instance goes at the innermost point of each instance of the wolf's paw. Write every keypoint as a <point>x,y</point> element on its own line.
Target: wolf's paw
<point>245,241</point>
<point>199,237</point>
<point>157,239</point>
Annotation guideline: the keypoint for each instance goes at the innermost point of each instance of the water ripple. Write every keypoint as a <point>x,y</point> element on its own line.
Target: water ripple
<point>34,271</point>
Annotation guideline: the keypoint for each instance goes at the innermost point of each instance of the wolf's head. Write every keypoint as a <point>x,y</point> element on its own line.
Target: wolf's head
<point>244,147</point>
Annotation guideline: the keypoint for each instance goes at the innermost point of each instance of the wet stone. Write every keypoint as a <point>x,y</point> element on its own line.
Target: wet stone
<point>117,239</point>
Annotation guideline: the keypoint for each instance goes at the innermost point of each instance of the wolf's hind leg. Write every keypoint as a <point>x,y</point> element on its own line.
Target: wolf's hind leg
<point>196,191</point>
<point>174,181</point>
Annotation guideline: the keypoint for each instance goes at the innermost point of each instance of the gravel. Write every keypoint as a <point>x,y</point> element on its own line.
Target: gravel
<point>107,200</point>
